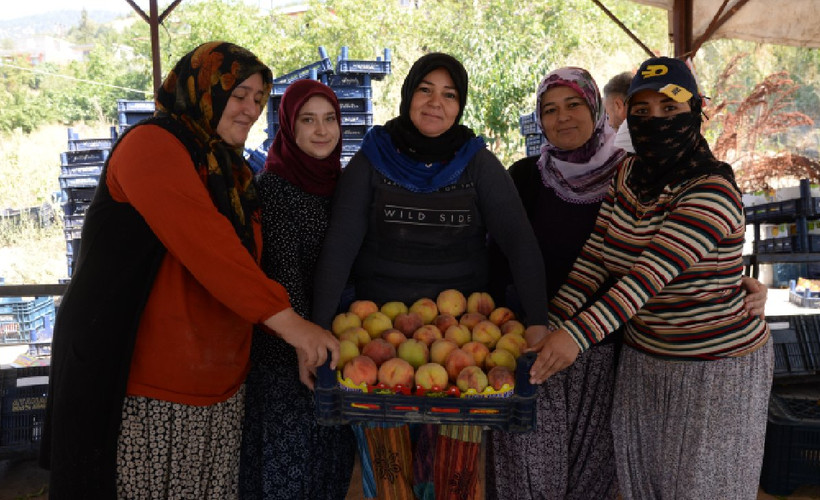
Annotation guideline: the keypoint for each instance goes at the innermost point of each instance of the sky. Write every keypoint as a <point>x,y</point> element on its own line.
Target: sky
<point>20,8</point>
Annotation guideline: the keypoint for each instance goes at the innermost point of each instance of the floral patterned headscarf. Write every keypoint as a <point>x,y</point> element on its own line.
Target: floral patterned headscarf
<point>195,94</point>
<point>580,175</point>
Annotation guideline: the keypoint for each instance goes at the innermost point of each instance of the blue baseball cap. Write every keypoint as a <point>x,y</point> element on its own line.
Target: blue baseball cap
<point>665,75</point>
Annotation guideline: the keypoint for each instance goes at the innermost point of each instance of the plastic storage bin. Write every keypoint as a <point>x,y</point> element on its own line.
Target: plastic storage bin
<point>796,344</point>
<point>23,392</point>
<point>24,318</point>
<point>377,69</point>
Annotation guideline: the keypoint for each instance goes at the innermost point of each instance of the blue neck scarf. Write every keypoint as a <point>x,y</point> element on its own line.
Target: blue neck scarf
<point>411,174</point>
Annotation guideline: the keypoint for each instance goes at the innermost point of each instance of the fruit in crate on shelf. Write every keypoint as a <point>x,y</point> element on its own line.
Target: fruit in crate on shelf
<point>356,334</point>
<point>396,371</point>
<point>414,352</point>
<point>440,349</point>
<point>394,336</point>
<point>426,308</point>
<point>498,376</point>
<point>480,302</point>
<point>459,334</point>
<point>430,375</point>
<point>363,308</point>
<point>478,351</point>
<point>407,323</point>
<point>343,321</point>
<point>512,326</point>
<point>471,377</point>
<point>361,370</point>
<point>444,321</point>
<point>393,308</point>
<point>456,361</point>
<point>347,351</point>
<point>501,315</point>
<point>379,350</point>
<point>427,334</point>
<point>487,333</point>
<point>500,357</point>
<point>512,342</point>
<point>375,323</point>
<point>451,302</point>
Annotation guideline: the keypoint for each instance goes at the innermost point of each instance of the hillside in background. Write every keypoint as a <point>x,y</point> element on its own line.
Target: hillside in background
<point>52,23</point>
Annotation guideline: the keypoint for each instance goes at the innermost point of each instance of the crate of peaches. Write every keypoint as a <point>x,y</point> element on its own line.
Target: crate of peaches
<point>454,359</point>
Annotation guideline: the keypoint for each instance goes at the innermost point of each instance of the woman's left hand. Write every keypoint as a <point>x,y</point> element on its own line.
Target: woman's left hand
<point>756,292</point>
<point>556,351</point>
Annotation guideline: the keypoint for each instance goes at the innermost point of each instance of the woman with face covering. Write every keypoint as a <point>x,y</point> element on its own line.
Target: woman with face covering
<point>285,453</point>
<point>693,380</point>
<point>410,218</point>
<point>151,343</point>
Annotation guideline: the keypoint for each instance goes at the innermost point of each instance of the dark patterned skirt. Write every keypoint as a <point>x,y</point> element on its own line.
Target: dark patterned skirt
<point>171,450</point>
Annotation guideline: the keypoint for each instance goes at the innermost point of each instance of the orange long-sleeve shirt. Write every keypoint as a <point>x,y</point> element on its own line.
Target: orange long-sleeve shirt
<point>194,336</point>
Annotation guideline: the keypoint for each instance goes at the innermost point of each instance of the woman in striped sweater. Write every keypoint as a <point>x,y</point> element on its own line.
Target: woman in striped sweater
<point>689,415</point>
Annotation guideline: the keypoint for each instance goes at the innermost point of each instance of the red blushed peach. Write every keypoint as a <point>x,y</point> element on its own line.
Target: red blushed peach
<point>427,334</point>
<point>425,308</point>
<point>500,357</point>
<point>487,333</point>
<point>480,302</point>
<point>393,308</point>
<point>394,336</point>
<point>431,375</point>
<point>396,371</point>
<point>361,369</point>
<point>459,334</point>
<point>456,361</point>
<point>362,308</point>
<point>451,302</point>
<point>414,352</point>
<point>501,315</point>
<point>478,351</point>
<point>379,350</point>
<point>444,321</point>
<point>407,323</point>
<point>471,319</point>
<point>343,321</point>
<point>347,351</point>
<point>440,349</point>
<point>375,323</point>
<point>471,377</point>
<point>512,342</point>
<point>499,376</point>
<point>512,326</point>
<point>356,334</point>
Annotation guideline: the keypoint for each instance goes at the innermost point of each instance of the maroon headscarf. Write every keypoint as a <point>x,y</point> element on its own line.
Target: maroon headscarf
<point>287,160</point>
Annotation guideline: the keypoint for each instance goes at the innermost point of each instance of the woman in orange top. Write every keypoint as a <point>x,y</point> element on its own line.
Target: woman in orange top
<point>152,340</point>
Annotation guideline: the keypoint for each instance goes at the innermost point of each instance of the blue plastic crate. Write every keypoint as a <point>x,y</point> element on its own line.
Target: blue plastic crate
<point>23,394</point>
<point>363,119</point>
<point>377,69</point>
<point>324,65</point>
<point>358,105</point>
<point>365,92</point>
<point>351,132</point>
<point>350,146</point>
<point>79,181</point>
<point>349,80</point>
<point>83,157</point>
<point>126,106</point>
<point>83,194</point>
<point>23,319</point>
<point>75,207</point>
<point>528,124</point>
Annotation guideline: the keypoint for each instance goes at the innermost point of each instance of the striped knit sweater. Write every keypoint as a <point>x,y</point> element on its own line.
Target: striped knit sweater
<point>678,265</point>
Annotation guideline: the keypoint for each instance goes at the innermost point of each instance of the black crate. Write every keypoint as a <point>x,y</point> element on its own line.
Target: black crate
<point>796,344</point>
<point>23,392</point>
<point>377,69</point>
<point>792,451</point>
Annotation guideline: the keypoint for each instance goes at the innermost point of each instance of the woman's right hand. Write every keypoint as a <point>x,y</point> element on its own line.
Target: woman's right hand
<point>311,339</point>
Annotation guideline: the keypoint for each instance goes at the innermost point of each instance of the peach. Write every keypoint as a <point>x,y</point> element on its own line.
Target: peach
<point>396,371</point>
<point>440,349</point>
<point>379,350</point>
<point>430,375</point>
<point>427,334</point>
<point>501,315</point>
<point>414,352</point>
<point>375,323</point>
<point>393,308</point>
<point>455,361</point>
<point>347,351</point>
<point>478,350</point>
<point>487,333</point>
<point>407,323</point>
<point>459,334</point>
<point>361,370</point>
<point>356,334</point>
<point>444,321</point>
<point>471,377</point>
<point>500,357</point>
<point>471,319</point>
<point>425,308</point>
<point>343,321</point>
<point>394,336</point>
<point>512,326</point>
<point>499,376</point>
<point>512,342</point>
<point>480,302</point>
<point>362,308</point>
<point>451,302</point>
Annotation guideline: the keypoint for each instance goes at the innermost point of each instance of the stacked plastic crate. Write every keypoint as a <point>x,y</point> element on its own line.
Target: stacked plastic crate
<point>80,168</point>
<point>351,80</point>
<point>131,112</point>
<point>533,138</point>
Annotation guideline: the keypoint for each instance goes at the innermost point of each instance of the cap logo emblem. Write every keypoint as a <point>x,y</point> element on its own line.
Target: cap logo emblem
<point>654,70</point>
